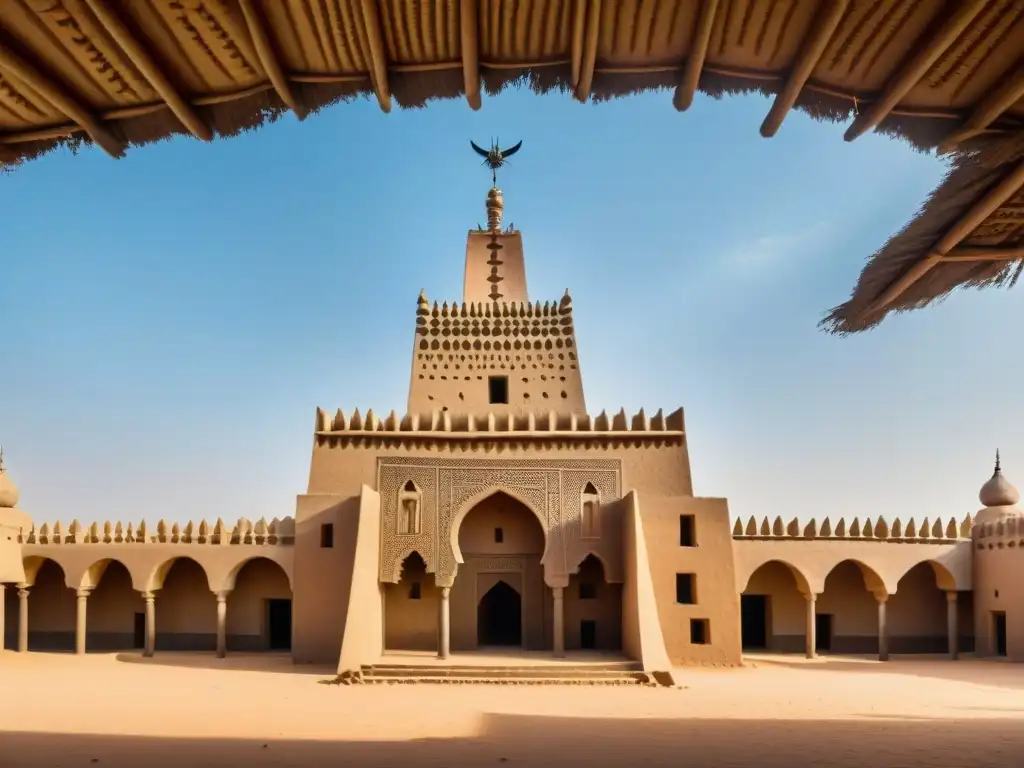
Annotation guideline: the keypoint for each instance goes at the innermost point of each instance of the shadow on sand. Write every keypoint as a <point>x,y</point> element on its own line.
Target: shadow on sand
<point>996,673</point>
<point>280,663</point>
<point>515,740</point>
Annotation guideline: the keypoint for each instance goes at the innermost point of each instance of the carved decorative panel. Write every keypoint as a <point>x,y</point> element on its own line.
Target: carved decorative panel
<point>450,487</point>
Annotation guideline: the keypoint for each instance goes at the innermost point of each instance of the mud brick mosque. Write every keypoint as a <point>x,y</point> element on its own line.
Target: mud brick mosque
<point>498,512</point>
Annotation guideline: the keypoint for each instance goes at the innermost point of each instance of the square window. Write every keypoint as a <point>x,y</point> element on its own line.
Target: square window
<point>687,537</point>
<point>499,536</point>
<point>327,535</point>
<point>700,632</point>
<point>686,592</point>
<point>497,390</point>
<point>588,590</point>
<point>414,591</point>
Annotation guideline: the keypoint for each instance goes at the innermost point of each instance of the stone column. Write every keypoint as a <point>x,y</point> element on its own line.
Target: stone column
<point>23,618</point>
<point>559,622</point>
<point>81,617</point>
<point>952,624</point>
<point>149,645</point>
<point>810,626</point>
<point>444,628</point>
<point>883,634</point>
<point>222,624</point>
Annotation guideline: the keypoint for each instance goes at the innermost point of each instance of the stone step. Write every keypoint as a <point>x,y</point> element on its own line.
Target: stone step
<point>514,673</point>
<point>639,679</point>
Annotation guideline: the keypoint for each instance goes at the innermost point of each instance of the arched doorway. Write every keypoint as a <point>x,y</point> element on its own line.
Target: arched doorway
<point>499,596</point>
<point>499,616</point>
<point>186,608</point>
<point>52,610</point>
<point>116,612</point>
<point>847,611</point>
<point>411,608</point>
<point>593,609</point>
<point>917,615</point>
<point>259,609</point>
<point>773,612</point>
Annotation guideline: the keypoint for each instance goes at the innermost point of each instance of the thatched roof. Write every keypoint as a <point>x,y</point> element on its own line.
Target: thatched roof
<point>120,73</point>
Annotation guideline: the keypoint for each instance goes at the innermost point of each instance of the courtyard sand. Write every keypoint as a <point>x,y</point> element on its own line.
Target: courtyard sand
<point>195,710</point>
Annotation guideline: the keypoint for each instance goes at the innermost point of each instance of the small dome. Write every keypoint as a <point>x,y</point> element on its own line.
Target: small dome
<point>998,491</point>
<point>8,490</point>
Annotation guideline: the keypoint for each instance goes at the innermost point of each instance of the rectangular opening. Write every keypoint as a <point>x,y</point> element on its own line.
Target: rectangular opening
<point>588,634</point>
<point>686,531</point>
<point>754,621</point>
<point>414,591</point>
<point>588,590</point>
<point>999,632</point>
<point>139,639</point>
<point>686,592</point>
<point>327,535</point>
<point>497,390</point>
<point>823,631</point>
<point>700,632</point>
<point>279,624</point>
<point>499,536</point>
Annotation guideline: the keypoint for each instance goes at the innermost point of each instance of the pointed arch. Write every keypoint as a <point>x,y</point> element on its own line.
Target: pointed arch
<point>399,563</point>
<point>230,578</point>
<point>590,512</point>
<point>158,574</point>
<point>410,509</point>
<point>803,583</point>
<point>470,504</point>
<point>591,552</point>
<point>873,581</point>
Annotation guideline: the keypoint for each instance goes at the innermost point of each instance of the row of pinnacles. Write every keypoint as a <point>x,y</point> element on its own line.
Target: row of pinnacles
<point>926,532</point>
<point>446,421</point>
<point>493,309</point>
<point>279,531</point>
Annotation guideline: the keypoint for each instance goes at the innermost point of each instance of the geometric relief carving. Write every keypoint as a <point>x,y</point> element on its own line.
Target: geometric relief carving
<point>446,486</point>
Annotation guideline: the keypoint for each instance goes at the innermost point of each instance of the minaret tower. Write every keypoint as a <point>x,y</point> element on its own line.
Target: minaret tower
<point>13,523</point>
<point>494,352</point>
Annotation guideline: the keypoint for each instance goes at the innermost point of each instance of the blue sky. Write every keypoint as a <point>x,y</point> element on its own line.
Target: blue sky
<point>171,321</point>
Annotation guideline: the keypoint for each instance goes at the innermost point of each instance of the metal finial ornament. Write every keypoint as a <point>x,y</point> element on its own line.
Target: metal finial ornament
<point>495,157</point>
<point>998,470</point>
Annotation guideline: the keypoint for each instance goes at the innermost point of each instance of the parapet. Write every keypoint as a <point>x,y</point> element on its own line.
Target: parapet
<point>910,532</point>
<point>1004,533</point>
<point>441,426</point>
<point>278,532</point>
<point>551,321</point>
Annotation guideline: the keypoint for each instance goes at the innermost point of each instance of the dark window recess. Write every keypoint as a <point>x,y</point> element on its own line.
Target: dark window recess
<point>414,591</point>
<point>327,535</point>
<point>588,634</point>
<point>685,592</point>
<point>687,537</point>
<point>588,590</point>
<point>499,536</point>
<point>497,390</point>
<point>700,632</point>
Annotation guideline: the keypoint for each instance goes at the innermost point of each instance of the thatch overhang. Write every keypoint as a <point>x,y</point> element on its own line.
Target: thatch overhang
<point>938,73</point>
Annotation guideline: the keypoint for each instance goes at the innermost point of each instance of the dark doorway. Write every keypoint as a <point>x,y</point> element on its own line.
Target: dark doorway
<point>139,640</point>
<point>588,634</point>
<point>999,622</point>
<point>279,625</point>
<point>823,631</point>
<point>754,621</point>
<point>499,617</point>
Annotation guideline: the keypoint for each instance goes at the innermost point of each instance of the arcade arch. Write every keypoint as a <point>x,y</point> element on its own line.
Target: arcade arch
<point>187,608</point>
<point>259,606</point>
<point>411,608</point>
<point>593,609</point>
<point>773,608</point>
<point>116,611</point>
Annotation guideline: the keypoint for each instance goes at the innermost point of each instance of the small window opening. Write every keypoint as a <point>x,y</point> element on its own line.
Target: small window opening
<point>497,390</point>
<point>499,536</point>
<point>590,514</point>
<point>700,632</point>
<point>685,592</point>
<point>414,591</point>
<point>327,535</point>
<point>686,531</point>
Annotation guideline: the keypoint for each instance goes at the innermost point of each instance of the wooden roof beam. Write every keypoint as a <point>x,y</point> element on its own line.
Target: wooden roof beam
<point>470,29</point>
<point>587,21</point>
<point>826,21</point>
<point>981,210</point>
<point>378,55</point>
<point>145,63</point>
<point>268,59</point>
<point>988,110</point>
<point>915,68</point>
<point>985,254</point>
<point>687,88</point>
<point>46,87</point>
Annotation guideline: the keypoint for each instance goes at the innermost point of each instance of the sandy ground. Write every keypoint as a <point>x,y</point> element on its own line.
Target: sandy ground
<point>193,710</point>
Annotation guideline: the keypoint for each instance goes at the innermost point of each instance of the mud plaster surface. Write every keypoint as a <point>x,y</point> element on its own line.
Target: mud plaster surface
<point>193,710</point>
